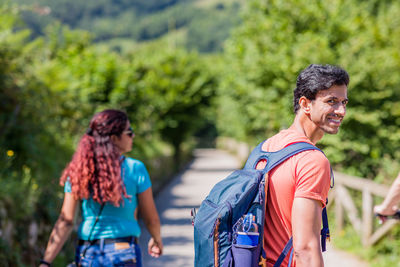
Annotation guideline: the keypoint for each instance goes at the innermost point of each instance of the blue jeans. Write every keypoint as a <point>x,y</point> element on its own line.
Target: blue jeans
<point>109,254</point>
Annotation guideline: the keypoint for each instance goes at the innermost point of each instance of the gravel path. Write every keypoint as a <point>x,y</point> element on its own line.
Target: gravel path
<point>186,191</point>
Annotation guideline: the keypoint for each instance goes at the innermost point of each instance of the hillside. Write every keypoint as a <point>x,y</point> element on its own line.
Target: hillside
<point>206,23</point>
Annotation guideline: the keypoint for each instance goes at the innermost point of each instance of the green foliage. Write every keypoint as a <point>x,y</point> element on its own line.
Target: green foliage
<point>211,27</point>
<point>279,38</point>
<point>160,23</point>
<point>26,136</point>
<point>51,87</point>
<point>139,21</point>
<point>174,88</point>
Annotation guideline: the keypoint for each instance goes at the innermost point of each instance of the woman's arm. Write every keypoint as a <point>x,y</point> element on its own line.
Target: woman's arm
<point>389,205</point>
<point>148,211</point>
<point>61,229</point>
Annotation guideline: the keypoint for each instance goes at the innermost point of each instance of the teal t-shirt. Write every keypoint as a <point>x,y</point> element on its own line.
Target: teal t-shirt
<point>115,221</point>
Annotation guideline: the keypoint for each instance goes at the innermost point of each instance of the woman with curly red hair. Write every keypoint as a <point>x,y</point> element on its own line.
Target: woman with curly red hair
<point>110,189</point>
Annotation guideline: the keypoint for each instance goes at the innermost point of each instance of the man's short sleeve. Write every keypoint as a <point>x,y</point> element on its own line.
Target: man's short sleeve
<point>313,176</point>
<point>143,179</point>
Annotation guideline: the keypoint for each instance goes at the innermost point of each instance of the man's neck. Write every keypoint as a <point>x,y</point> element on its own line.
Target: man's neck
<point>302,124</point>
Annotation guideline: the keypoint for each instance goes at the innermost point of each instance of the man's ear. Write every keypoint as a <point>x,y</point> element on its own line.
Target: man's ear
<point>305,104</point>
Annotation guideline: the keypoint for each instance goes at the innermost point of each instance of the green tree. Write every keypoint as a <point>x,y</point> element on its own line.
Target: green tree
<point>168,92</point>
<point>50,88</point>
<point>279,38</point>
<point>26,119</point>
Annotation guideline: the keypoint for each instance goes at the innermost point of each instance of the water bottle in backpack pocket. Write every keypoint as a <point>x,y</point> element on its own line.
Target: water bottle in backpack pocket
<point>245,249</point>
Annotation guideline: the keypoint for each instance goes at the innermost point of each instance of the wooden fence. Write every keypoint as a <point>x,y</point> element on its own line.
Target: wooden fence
<point>344,205</point>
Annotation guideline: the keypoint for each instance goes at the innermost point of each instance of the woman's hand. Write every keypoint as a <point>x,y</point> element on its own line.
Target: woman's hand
<point>386,211</point>
<point>155,248</point>
<point>382,212</point>
<point>389,204</point>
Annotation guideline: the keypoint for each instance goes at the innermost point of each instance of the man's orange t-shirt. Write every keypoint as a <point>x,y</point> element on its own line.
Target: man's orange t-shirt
<point>305,175</point>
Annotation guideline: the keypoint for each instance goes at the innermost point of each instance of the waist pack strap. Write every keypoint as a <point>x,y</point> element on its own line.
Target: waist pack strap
<point>284,253</point>
<point>325,230</point>
<point>290,258</point>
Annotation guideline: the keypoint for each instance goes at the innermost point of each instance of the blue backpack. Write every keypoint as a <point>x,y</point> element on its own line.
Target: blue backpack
<point>242,192</point>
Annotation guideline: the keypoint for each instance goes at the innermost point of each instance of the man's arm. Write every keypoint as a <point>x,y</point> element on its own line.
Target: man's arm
<point>306,227</point>
<point>389,205</point>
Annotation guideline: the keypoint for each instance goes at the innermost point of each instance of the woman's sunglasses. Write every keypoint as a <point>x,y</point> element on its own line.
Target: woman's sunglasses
<point>129,132</point>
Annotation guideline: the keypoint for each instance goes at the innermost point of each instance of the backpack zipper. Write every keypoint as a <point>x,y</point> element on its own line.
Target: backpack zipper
<point>218,220</point>
<point>210,203</point>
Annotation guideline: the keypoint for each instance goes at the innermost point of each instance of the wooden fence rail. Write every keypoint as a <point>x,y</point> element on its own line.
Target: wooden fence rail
<point>344,205</point>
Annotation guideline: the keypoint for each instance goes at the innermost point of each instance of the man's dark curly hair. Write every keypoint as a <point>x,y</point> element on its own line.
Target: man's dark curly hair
<point>315,78</point>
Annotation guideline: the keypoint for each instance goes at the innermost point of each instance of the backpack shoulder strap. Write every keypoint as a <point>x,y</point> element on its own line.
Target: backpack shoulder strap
<point>275,158</point>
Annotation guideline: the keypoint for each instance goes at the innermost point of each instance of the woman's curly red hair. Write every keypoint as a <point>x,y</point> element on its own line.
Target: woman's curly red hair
<point>95,168</point>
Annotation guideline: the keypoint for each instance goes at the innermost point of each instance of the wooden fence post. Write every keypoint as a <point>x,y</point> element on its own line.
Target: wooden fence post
<point>339,219</point>
<point>365,227</point>
<point>349,207</point>
<point>367,216</point>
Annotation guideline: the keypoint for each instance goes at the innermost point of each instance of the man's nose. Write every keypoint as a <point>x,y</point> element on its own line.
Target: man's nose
<point>341,109</point>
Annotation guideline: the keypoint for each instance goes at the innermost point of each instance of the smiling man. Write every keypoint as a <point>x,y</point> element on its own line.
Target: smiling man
<point>298,188</point>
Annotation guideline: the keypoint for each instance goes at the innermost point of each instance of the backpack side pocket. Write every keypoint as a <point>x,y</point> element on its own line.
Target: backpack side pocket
<point>205,226</point>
